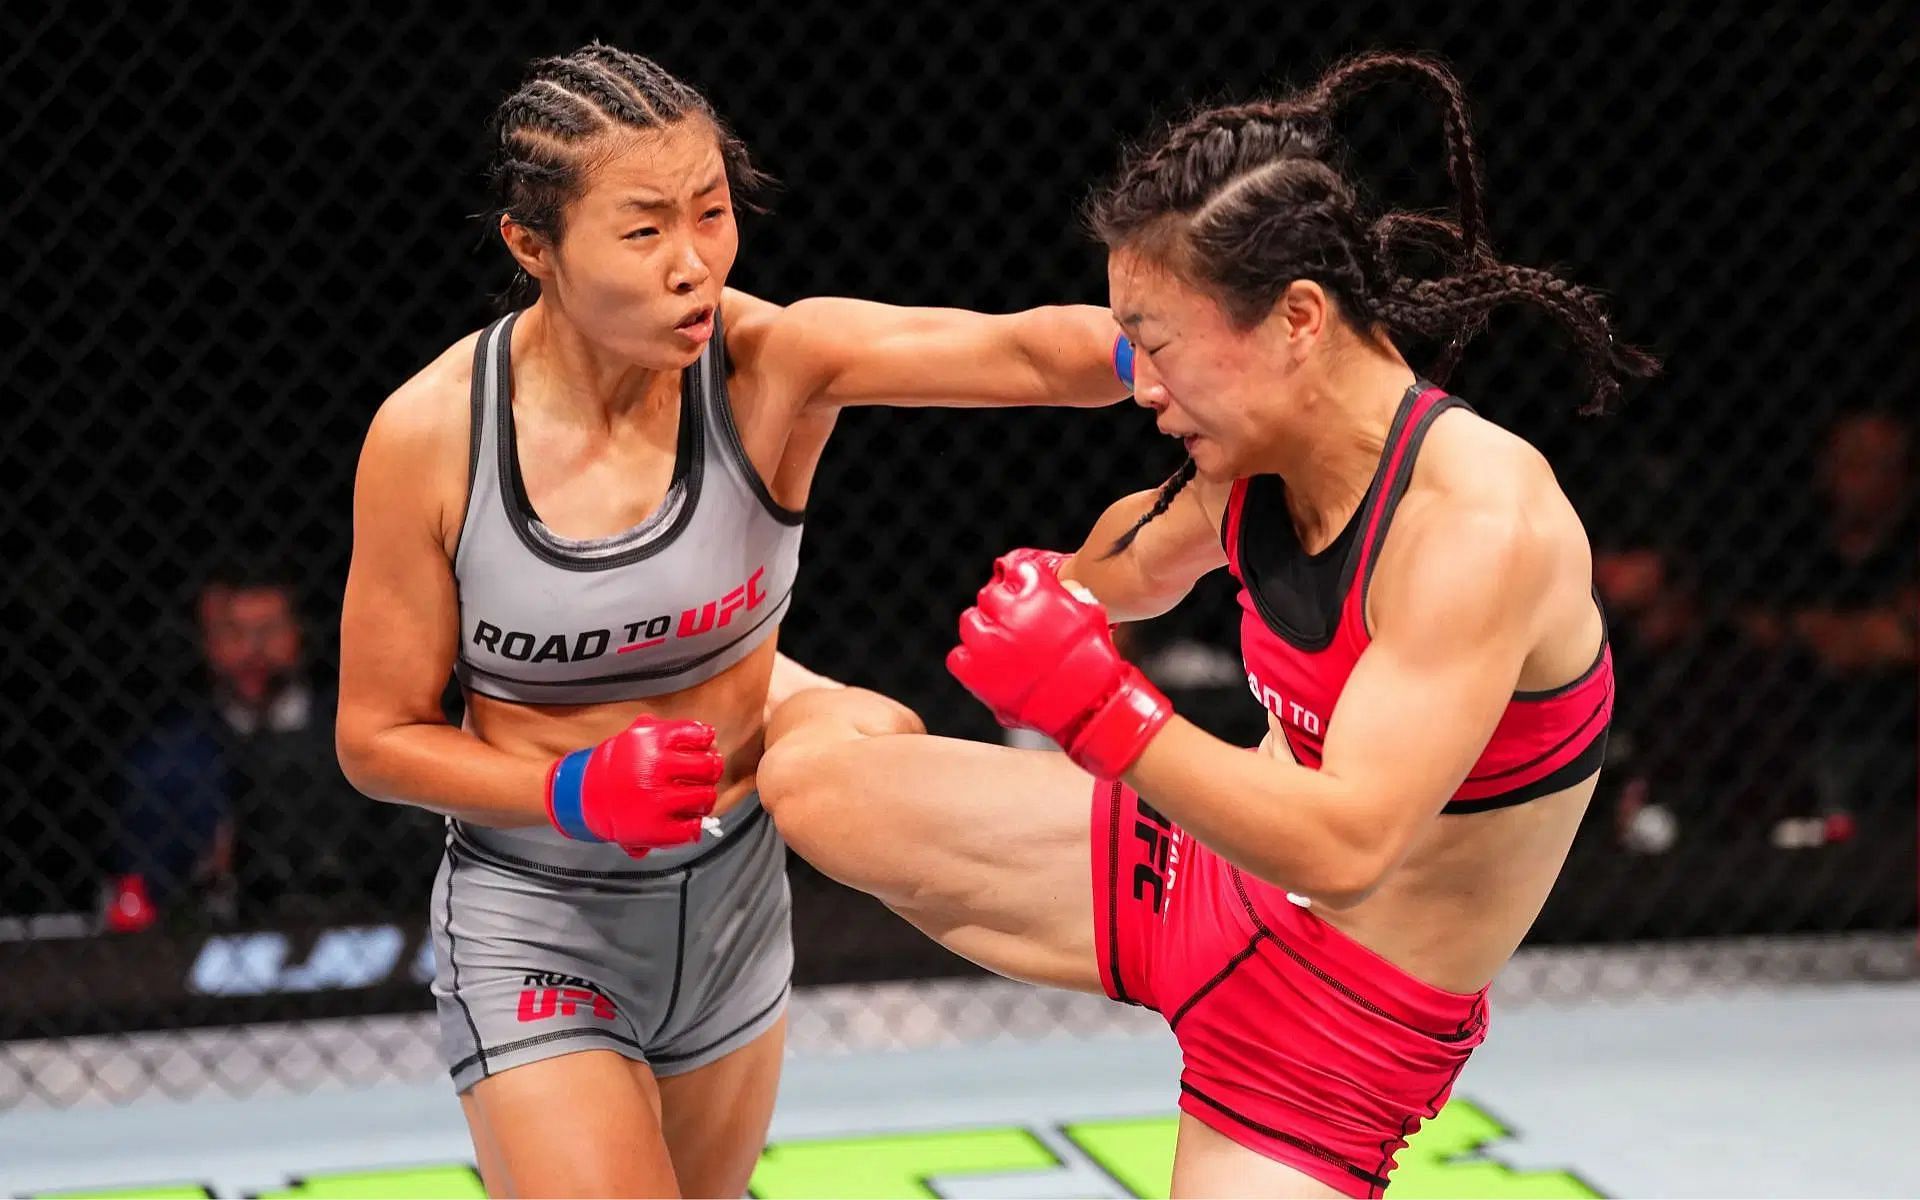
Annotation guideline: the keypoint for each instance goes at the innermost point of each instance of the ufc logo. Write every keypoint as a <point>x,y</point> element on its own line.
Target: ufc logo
<point>539,1003</point>
<point>1157,832</point>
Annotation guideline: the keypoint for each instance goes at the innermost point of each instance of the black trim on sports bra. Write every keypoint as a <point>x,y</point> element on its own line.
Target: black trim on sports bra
<point>1398,485</point>
<point>1300,596</point>
<point>730,435</point>
<point>1599,656</point>
<point>476,416</point>
<point>1582,766</point>
<point>683,491</point>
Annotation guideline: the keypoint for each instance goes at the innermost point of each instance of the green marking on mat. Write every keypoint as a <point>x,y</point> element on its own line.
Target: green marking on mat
<point>171,1191</point>
<point>1432,1167</point>
<point>458,1182</point>
<point>1446,1159</point>
<point>891,1165</point>
<point>1138,1151</point>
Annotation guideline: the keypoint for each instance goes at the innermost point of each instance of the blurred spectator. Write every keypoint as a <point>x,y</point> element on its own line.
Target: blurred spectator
<point>237,795</point>
<point>1845,604</point>
<point>1709,728</point>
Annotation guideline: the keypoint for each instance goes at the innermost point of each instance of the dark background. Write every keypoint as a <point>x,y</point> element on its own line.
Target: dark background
<point>232,231</point>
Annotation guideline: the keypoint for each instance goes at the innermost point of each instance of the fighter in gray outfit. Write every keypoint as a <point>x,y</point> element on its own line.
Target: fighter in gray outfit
<point>590,512</point>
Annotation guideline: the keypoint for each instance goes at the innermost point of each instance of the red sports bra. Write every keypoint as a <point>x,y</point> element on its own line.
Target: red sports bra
<point>1304,627</point>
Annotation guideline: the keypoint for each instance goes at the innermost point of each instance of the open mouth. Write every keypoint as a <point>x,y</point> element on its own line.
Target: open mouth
<point>695,319</point>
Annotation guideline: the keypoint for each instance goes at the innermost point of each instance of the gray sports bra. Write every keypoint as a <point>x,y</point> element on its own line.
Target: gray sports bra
<point>658,608</point>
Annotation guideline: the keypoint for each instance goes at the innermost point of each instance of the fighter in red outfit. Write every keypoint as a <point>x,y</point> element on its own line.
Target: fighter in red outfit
<point>1319,921</point>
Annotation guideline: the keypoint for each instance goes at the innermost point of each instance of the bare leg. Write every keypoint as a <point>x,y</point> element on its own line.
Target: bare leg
<point>486,1149</point>
<point>1207,1163</point>
<point>984,848</point>
<point>715,1117</point>
<point>583,1124</point>
<point>789,679</point>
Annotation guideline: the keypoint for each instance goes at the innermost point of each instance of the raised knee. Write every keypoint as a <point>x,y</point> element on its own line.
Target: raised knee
<point>839,714</point>
<point>788,771</point>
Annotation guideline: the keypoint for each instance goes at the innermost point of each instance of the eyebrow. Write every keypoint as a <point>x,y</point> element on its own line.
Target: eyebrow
<point>649,201</point>
<point>1130,320</point>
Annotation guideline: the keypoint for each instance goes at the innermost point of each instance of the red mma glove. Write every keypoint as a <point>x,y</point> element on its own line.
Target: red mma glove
<point>1043,660</point>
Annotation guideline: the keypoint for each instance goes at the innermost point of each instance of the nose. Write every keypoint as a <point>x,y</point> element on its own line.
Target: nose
<point>689,270</point>
<point>1149,390</point>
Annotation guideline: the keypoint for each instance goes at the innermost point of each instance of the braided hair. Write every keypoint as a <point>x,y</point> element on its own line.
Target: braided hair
<point>1244,199</point>
<point>551,132</point>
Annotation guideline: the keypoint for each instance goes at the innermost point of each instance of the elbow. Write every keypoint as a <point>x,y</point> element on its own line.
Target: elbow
<point>1056,342</point>
<point>1344,875</point>
<point>355,746</point>
<point>1346,890</point>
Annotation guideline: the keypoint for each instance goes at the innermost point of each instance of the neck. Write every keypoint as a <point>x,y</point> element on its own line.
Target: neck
<point>1335,433</point>
<point>578,380</point>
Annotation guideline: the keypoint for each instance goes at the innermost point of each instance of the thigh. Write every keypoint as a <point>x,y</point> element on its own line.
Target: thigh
<point>582,1124</point>
<point>527,969</point>
<point>985,848</point>
<point>715,1117</point>
<point>1207,1163</point>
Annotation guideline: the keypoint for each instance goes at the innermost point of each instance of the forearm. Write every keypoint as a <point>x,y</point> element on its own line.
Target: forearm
<point>448,771</point>
<point>1070,350</point>
<point>1287,825</point>
<point>1117,583</point>
<point>1122,582</point>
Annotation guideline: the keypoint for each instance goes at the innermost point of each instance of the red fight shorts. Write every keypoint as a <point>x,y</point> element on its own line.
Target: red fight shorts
<point>1298,1043</point>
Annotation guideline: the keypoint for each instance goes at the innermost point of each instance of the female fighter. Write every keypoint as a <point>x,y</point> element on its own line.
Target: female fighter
<point>1318,921</point>
<point>590,512</point>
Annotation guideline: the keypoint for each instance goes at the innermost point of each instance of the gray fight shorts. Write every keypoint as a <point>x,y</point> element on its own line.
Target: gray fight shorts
<point>675,960</point>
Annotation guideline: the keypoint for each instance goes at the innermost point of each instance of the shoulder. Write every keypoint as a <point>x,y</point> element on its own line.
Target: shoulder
<point>434,406</point>
<point>1483,522</point>
<point>791,350</point>
<point>749,320</point>
<point>416,450</point>
<point>756,327</point>
<point>1473,472</point>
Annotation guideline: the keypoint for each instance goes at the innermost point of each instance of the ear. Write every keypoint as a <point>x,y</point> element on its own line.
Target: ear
<point>533,252</point>
<point>1302,312</point>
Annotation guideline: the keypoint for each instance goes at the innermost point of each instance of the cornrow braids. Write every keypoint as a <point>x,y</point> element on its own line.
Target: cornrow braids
<point>1435,307</point>
<point>551,130</point>
<point>1398,235</point>
<point>1242,200</point>
<point>1356,75</point>
<point>1161,503</point>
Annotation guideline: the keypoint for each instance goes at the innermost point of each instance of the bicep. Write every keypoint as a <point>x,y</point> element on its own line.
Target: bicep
<point>399,618</point>
<point>1454,628</point>
<point>1407,729</point>
<point>854,352</point>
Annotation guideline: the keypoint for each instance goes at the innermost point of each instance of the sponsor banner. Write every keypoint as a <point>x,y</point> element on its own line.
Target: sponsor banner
<point>73,986</point>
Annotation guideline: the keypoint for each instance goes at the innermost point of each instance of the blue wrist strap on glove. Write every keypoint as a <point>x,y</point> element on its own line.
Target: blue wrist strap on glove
<point>1123,360</point>
<point>564,799</point>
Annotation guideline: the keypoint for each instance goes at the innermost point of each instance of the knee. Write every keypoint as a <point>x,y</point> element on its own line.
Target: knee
<point>814,761</point>
<point>839,714</point>
<point>788,774</point>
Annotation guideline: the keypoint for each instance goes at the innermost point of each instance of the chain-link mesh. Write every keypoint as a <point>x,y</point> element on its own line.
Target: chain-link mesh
<point>234,231</point>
